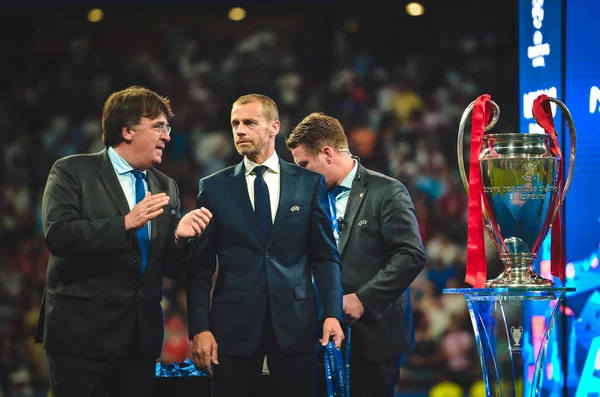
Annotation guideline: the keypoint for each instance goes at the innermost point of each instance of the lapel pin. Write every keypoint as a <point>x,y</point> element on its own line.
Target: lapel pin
<point>360,195</point>
<point>295,208</point>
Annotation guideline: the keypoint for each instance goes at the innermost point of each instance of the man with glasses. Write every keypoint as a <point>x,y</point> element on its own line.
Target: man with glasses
<point>113,228</point>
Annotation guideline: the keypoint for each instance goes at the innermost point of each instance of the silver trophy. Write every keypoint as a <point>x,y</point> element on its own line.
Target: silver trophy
<point>521,196</point>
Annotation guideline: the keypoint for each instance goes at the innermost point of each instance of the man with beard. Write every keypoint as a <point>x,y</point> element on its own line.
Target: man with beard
<point>271,231</point>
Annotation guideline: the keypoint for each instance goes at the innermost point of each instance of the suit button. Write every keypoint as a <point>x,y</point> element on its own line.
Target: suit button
<point>263,288</point>
<point>136,262</point>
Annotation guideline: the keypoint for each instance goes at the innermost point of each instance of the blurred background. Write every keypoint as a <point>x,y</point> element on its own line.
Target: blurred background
<point>398,83</point>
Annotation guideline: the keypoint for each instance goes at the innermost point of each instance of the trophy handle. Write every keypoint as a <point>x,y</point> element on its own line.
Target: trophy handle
<point>490,228</point>
<point>461,133</point>
<point>573,135</point>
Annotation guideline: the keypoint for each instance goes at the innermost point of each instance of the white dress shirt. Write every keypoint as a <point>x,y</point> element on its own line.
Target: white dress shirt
<point>272,179</point>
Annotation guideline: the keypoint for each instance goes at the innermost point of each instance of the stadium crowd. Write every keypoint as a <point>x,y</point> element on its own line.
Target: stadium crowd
<point>399,89</point>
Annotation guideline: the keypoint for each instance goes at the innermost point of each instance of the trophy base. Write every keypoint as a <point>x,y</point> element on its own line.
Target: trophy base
<point>499,317</point>
<point>522,279</point>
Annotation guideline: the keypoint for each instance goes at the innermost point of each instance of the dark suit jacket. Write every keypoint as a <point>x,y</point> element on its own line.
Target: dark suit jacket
<point>95,292</point>
<point>381,253</point>
<point>251,276</point>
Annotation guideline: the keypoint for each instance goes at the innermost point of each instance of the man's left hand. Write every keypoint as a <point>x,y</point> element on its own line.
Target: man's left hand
<point>332,329</point>
<point>353,308</point>
<point>193,223</point>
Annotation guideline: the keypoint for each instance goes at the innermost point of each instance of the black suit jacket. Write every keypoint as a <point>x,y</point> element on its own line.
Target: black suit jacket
<point>95,292</point>
<point>251,276</point>
<point>381,253</point>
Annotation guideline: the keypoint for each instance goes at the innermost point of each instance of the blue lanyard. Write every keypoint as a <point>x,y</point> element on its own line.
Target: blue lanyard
<point>336,369</point>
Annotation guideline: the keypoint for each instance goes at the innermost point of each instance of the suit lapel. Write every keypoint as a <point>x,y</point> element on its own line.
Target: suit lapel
<point>239,192</point>
<point>357,197</point>
<point>110,180</point>
<point>287,192</point>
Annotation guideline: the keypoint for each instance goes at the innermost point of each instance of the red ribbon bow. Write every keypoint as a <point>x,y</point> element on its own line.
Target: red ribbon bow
<point>542,113</point>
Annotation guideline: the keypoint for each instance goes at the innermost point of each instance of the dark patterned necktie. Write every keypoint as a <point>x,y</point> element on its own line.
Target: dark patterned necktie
<point>262,204</point>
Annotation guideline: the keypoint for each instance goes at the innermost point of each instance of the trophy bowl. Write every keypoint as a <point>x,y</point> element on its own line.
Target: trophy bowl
<point>521,195</point>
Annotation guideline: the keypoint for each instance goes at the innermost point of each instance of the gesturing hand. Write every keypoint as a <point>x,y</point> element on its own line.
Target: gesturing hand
<point>193,223</point>
<point>149,208</point>
<point>204,351</point>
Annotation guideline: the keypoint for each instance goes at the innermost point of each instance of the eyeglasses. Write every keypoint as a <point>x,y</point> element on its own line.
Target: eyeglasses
<point>160,129</point>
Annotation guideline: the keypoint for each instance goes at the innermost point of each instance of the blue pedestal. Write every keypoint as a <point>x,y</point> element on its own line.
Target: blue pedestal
<point>498,317</point>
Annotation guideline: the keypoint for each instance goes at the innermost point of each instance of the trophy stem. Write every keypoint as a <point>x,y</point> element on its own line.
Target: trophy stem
<point>518,273</point>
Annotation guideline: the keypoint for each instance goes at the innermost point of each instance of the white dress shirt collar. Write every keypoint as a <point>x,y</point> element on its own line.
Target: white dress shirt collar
<point>272,164</point>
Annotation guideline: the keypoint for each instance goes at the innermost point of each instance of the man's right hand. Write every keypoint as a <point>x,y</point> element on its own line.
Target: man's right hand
<point>147,209</point>
<point>204,351</point>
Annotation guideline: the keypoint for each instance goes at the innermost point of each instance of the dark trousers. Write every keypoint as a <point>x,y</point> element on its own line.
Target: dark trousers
<point>367,379</point>
<point>131,375</point>
<point>291,375</point>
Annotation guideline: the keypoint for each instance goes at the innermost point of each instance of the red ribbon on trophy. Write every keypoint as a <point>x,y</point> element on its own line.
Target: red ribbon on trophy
<point>476,272</point>
<point>542,113</point>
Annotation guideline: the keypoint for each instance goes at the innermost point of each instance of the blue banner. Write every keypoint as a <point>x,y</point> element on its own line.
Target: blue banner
<point>540,58</point>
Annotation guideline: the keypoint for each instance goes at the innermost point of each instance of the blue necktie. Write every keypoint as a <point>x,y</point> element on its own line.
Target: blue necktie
<point>332,200</point>
<point>142,234</point>
<point>262,204</point>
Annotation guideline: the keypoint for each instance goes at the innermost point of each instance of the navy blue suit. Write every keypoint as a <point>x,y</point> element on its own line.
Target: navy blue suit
<point>262,289</point>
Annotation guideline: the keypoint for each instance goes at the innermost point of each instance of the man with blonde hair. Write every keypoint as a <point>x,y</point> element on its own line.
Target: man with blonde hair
<point>380,249</point>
